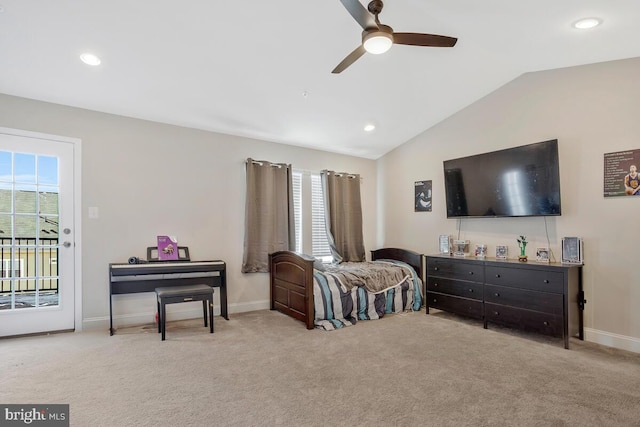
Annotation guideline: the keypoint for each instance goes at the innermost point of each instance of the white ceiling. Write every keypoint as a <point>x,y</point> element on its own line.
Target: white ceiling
<point>243,67</point>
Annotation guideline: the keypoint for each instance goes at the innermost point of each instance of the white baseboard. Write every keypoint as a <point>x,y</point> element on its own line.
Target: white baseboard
<point>612,340</point>
<point>174,312</point>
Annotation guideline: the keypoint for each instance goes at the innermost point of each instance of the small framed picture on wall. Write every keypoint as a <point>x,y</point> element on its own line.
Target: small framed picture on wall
<point>422,193</point>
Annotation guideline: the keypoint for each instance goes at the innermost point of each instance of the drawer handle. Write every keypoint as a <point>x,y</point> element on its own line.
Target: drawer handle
<point>495,313</point>
<point>471,290</point>
<point>496,294</point>
<point>546,281</point>
<point>435,268</point>
<point>545,323</point>
<point>498,276</point>
<point>435,300</point>
<point>471,273</point>
<point>435,285</point>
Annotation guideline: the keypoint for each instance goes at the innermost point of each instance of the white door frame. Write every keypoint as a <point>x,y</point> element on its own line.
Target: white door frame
<point>77,210</point>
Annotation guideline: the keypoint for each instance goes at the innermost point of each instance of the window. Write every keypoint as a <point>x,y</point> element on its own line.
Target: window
<point>297,207</point>
<point>18,268</point>
<point>319,242</point>
<point>308,205</point>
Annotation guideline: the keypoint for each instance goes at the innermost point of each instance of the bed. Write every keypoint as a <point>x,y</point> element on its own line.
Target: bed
<point>325,300</point>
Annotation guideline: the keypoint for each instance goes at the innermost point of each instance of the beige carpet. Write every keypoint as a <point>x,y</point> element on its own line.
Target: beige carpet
<point>263,368</point>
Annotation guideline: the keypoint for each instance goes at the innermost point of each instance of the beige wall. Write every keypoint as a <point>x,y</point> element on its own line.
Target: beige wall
<point>147,178</point>
<point>591,110</point>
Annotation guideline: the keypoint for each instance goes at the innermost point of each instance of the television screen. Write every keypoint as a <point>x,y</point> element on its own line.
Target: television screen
<point>519,181</point>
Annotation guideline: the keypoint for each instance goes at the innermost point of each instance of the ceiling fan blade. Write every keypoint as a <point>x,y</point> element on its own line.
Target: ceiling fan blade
<point>350,59</point>
<point>417,39</point>
<point>360,14</point>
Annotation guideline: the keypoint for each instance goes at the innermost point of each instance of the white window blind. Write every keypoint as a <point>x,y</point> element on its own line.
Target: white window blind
<point>320,244</point>
<point>308,207</point>
<point>297,208</point>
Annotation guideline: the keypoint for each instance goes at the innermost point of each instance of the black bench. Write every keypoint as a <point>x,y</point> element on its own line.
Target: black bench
<point>174,294</point>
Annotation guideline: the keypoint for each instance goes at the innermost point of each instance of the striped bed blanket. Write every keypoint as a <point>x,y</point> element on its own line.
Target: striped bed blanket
<point>341,298</point>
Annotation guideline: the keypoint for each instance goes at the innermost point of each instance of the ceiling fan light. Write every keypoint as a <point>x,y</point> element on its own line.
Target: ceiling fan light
<point>377,42</point>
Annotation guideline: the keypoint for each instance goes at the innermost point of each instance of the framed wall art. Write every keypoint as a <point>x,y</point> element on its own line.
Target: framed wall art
<point>621,174</point>
<point>422,193</point>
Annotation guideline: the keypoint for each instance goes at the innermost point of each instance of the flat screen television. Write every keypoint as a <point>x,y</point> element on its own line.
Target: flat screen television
<point>519,181</point>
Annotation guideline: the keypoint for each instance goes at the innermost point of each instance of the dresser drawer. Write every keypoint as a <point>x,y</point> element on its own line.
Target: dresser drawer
<point>545,323</point>
<point>460,288</point>
<point>455,269</point>
<point>539,280</point>
<point>546,302</point>
<point>464,306</point>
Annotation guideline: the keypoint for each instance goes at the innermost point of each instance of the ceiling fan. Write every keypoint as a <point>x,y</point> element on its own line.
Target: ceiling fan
<point>377,38</point>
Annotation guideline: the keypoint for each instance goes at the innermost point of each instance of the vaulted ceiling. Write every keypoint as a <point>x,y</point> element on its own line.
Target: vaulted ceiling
<point>262,69</point>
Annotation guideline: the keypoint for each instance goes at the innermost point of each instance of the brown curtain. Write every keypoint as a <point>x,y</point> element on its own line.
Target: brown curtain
<point>269,220</point>
<point>343,213</point>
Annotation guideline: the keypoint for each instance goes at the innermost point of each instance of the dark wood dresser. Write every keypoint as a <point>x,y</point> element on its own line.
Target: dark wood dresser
<point>541,297</point>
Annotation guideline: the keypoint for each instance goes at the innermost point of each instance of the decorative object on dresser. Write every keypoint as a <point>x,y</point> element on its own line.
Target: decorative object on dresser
<point>545,298</point>
<point>522,242</point>
<point>460,247</point>
<point>444,242</point>
<point>542,254</point>
<point>502,252</point>
<point>322,299</point>
<point>481,251</point>
<point>572,250</point>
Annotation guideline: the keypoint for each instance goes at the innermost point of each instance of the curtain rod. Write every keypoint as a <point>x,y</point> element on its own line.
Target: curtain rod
<point>262,162</point>
<point>348,175</point>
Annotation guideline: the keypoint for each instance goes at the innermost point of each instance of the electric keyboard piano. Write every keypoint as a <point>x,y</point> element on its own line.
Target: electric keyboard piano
<point>135,278</point>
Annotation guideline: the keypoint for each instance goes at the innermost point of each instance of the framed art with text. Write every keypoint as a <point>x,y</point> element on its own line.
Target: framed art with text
<point>621,175</point>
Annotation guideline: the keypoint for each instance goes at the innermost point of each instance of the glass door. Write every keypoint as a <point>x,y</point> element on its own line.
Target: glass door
<point>36,236</point>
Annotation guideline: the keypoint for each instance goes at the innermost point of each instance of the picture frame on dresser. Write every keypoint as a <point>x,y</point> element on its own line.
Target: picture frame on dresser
<point>460,248</point>
<point>572,250</point>
<point>481,251</point>
<point>444,243</point>
<point>542,254</point>
<point>502,252</point>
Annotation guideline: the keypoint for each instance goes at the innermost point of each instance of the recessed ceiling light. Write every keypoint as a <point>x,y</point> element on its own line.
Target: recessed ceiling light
<point>586,23</point>
<point>369,128</point>
<point>90,59</point>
